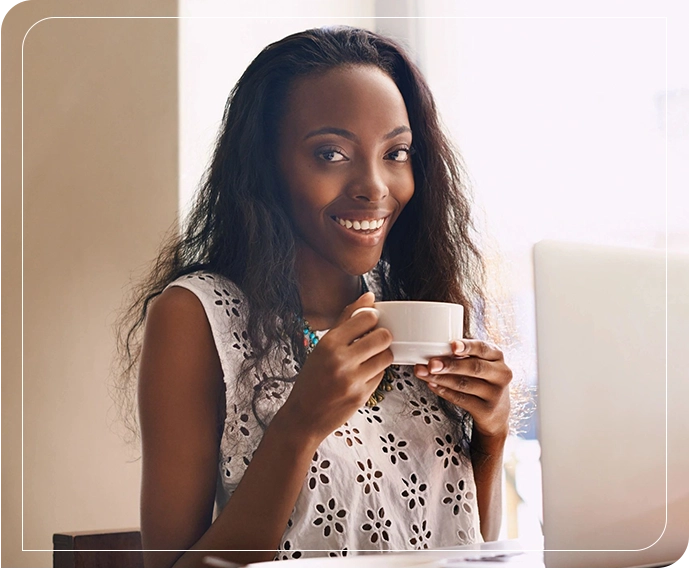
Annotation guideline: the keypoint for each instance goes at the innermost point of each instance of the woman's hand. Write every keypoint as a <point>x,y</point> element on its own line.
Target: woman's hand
<point>476,379</point>
<point>341,373</point>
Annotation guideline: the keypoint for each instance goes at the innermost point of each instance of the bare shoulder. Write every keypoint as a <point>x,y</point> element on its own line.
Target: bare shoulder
<point>178,341</point>
<point>178,304</point>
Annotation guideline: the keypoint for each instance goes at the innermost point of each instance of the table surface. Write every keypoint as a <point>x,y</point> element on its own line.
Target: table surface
<point>510,553</point>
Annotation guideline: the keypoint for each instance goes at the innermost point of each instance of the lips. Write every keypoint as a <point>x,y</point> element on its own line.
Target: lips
<point>362,228</point>
<point>361,224</point>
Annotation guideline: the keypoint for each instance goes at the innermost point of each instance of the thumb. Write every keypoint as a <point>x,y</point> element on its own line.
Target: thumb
<point>365,300</point>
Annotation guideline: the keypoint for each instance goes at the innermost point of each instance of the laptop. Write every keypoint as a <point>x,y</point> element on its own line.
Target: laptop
<point>613,347</point>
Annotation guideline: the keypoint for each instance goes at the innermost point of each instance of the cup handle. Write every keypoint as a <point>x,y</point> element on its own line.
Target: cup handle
<point>365,309</point>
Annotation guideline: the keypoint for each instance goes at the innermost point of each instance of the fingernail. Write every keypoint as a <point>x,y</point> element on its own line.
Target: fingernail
<point>422,372</point>
<point>460,347</point>
<point>433,385</point>
<point>435,366</point>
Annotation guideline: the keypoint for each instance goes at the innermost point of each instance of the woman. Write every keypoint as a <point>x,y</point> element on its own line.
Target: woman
<point>331,184</point>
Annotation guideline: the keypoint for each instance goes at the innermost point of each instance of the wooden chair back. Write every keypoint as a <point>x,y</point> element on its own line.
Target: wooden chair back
<point>108,548</point>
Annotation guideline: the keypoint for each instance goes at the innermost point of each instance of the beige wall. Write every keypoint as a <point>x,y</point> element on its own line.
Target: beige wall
<point>100,189</point>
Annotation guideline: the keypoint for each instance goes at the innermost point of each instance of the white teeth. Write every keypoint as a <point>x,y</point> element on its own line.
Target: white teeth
<point>366,224</point>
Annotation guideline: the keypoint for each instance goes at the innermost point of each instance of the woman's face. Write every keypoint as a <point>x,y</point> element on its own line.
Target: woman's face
<point>344,154</point>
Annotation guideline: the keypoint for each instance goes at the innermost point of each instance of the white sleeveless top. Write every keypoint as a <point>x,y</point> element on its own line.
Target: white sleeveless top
<point>390,478</point>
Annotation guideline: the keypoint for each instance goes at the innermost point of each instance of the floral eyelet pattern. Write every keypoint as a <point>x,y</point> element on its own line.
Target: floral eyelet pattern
<point>318,473</point>
<point>378,526</point>
<point>394,448</point>
<point>369,476</point>
<point>427,411</point>
<point>330,517</point>
<point>286,552</point>
<point>342,553</point>
<point>392,477</point>
<point>227,302</point>
<point>225,467</point>
<point>466,536</point>
<point>241,343</point>
<point>401,379</point>
<point>349,434</point>
<point>414,491</point>
<point>421,535</point>
<point>448,451</point>
<point>372,414</point>
<point>459,498</point>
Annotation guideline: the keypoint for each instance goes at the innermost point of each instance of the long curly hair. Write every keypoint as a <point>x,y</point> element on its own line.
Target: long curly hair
<point>239,226</point>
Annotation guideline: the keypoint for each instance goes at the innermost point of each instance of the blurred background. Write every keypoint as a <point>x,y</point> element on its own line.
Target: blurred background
<point>573,123</point>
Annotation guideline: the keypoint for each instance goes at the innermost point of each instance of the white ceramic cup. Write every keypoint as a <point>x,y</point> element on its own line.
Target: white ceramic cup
<point>420,330</point>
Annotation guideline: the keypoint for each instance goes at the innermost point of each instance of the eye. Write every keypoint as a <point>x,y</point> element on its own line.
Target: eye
<point>331,155</point>
<point>399,154</point>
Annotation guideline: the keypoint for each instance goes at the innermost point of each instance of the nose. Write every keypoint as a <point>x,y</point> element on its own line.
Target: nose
<point>369,184</point>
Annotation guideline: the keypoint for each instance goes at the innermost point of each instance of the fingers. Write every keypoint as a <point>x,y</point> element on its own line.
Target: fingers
<point>374,367</point>
<point>372,344</point>
<point>477,369</point>
<point>365,300</point>
<point>463,384</point>
<point>365,309</point>
<point>473,404</point>
<point>472,358</point>
<point>357,319</point>
<point>490,414</point>
<point>482,350</point>
<point>355,338</point>
<point>494,372</point>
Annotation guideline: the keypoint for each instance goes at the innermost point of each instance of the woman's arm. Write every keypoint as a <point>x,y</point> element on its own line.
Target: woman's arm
<point>181,393</point>
<point>180,388</point>
<point>477,380</point>
<point>486,460</point>
<point>256,515</point>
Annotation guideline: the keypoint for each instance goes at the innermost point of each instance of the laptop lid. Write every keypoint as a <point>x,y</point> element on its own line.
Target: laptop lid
<point>603,334</point>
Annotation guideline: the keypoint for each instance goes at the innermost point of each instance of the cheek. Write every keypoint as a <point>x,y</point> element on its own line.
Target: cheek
<point>406,190</point>
<point>307,199</point>
<point>312,191</point>
<point>297,185</point>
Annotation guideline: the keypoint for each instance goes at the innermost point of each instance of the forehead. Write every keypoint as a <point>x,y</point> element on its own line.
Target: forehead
<point>349,97</point>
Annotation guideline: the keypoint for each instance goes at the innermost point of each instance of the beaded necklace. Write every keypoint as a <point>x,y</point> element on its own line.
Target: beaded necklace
<point>311,339</point>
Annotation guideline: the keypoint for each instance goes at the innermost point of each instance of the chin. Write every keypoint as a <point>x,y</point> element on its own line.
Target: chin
<point>361,267</point>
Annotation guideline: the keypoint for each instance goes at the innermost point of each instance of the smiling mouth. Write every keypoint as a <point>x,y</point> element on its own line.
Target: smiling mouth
<point>361,225</point>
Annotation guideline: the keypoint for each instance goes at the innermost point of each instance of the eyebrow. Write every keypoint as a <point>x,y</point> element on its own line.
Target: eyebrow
<point>344,133</point>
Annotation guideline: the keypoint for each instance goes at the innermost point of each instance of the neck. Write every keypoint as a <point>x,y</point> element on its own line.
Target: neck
<point>325,291</point>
